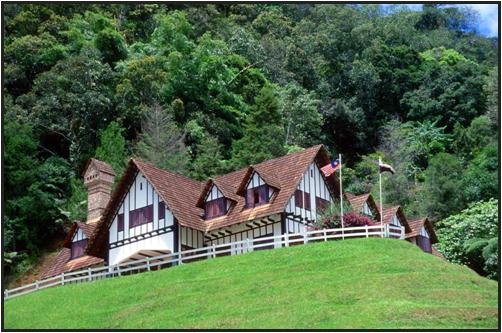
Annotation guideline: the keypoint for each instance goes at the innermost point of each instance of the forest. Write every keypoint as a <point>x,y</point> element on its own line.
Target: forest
<point>206,89</point>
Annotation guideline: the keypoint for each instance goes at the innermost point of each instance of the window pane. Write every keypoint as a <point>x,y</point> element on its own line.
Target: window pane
<point>215,208</point>
<point>77,248</point>
<point>250,197</point>
<point>263,193</point>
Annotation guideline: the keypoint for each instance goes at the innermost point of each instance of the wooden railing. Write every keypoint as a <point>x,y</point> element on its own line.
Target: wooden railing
<point>212,251</point>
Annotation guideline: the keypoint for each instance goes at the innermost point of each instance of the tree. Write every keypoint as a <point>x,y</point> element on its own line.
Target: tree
<point>71,103</point>
<point>112,46</point>
<point>302,120</point>
<point>458,233</point>
<point>492,90</point>
<point>112,148</point>
<point>440,194</point>
<point>208,161</point>
<point>161,142</point>
<point>480,180</point>
<point>263,133</point>
<point>451,89</point>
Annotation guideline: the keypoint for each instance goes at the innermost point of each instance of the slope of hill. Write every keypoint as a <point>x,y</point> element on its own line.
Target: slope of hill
<point>359,283</point>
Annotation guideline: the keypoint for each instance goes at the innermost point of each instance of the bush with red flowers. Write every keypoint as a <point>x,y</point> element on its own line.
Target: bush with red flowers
<point>350,219</point>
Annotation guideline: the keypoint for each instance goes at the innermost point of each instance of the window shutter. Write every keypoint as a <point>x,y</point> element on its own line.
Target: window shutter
<point>298,198</point>
<point>150,213</point>
<point>263,194</point>
<point>307,201</point>
<point>250,197</point>
<point>162,210</point>
<point>132,218</point>
<point>77,248</point>
<point>120,222</point>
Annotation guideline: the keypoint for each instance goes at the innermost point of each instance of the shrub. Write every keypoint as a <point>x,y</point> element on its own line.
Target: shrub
<point>350,219</point>
<point>459,234</point>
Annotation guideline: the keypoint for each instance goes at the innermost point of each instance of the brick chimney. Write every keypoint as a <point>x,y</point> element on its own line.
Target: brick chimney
<point>98,178</point>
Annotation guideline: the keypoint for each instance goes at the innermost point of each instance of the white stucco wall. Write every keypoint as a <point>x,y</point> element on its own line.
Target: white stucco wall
<point>140,194</point>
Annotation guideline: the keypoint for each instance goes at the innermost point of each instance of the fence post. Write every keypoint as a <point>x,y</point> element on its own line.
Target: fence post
<point>366,227</point>
<point>382,229</point>
<point>248,245</point>
<point>305,236</point>
<point>118,268</point>
<point>179,258</point>
<point>148,263</point>
<point>402,232</point>
<point>5,294</point>
<point>214,250</point>
<point>62,279</point>
<point>36,285</point>
<point>90,273</point>
<point>287,239</point>
<point>325,235</point>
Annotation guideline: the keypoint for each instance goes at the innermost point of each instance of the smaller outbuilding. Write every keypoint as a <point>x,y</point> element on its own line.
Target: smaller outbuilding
<point>422,234</point>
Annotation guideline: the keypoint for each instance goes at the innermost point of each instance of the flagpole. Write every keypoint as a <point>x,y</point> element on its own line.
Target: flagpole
<point>341,193</point>
<point>380,177</point>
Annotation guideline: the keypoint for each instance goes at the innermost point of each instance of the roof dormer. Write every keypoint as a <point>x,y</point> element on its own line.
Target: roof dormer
<point>215,199</point>
<point>257,187</point>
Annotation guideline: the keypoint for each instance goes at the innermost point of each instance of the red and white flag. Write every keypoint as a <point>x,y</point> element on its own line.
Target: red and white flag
<point>328,169</point>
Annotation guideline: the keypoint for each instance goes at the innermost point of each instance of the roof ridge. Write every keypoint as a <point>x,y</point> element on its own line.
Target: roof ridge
<point>172,173</point>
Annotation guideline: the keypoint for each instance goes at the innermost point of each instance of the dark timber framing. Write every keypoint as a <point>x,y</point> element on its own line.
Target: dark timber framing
<point>139,237</point>
<point>249,233</point>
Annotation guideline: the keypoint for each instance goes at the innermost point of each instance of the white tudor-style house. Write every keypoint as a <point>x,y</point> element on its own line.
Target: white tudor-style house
<point>153,211</point>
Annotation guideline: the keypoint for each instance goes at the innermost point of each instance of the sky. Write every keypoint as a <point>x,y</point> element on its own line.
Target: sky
<point>488,17</point>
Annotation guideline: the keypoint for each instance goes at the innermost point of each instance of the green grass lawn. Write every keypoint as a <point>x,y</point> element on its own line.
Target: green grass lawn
<point>358,283</point>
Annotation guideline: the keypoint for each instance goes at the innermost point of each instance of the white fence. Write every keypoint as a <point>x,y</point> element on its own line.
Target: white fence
<point>168,260</point>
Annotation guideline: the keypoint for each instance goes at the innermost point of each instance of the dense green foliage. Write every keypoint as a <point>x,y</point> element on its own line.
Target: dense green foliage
<point>360,283</point>
<point>471,237</point>
<point>207,89</point>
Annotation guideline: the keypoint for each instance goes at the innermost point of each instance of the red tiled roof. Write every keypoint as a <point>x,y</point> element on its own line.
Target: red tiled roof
<point>417,224</point>
<point>357,203</point>
<point>389,212</point>
<point>227,190</point>
<point>286,172</point>
<point>87,229</point>
<point>63,264</point>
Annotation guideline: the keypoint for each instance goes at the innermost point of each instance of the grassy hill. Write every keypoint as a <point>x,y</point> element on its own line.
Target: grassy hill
<point>359,283</point>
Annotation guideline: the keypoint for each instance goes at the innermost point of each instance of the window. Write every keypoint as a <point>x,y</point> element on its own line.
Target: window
<point>140,216</point>
<point>257,196</point>
<point>77,248</point>
<point>423,232</point>
<point>321,203</point>
<point>302,199</point>
<point>215,208</point>
<point>395,221</point>
<point>120,222</point>
<point>367,210</point>
<point>162,210</point>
